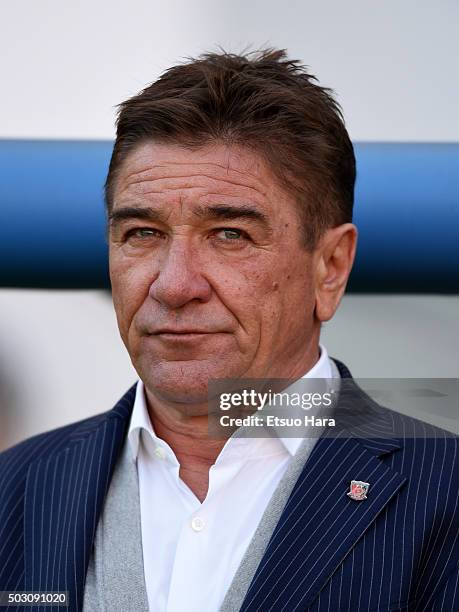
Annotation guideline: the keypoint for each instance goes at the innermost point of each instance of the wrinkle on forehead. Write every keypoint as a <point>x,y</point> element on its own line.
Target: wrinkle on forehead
<point>191,183</point>
<point>164,167</point>
<point>151,175</point>
<point>140,168</point>
<point>210,155</point>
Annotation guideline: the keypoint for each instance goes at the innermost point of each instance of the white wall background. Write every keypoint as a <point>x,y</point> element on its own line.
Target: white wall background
<point>65,65</point>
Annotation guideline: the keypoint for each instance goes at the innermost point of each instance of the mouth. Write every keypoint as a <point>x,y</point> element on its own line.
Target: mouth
<point>180,332</point>
<point>182,337</point>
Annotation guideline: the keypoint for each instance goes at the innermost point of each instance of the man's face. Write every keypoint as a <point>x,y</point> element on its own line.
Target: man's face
<point>209,275</point>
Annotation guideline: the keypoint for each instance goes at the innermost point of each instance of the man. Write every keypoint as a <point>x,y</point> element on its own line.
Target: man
<point>229,200</point>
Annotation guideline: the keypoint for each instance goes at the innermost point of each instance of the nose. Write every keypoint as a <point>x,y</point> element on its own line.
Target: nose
<point>180,279</point>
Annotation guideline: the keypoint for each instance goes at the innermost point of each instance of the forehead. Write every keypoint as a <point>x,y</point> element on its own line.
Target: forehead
<point>155,169</point>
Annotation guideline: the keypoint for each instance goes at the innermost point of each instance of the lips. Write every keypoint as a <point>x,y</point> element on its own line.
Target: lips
<point>180,331</point>
<point>180,337</point>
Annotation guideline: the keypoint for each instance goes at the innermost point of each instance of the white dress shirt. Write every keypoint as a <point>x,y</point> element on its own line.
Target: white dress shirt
<point>191,550</point>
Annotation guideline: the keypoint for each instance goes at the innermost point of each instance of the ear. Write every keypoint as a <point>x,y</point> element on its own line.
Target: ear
<point>334,258</point>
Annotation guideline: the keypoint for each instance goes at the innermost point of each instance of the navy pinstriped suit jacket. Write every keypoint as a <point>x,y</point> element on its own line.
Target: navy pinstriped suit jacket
<point>396,550</point>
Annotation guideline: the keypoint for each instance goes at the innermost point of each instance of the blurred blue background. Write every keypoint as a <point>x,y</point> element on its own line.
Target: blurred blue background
<point>53,222</point>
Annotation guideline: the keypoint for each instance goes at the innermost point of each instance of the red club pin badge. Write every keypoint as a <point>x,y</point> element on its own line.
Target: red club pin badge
<point>358,490</point>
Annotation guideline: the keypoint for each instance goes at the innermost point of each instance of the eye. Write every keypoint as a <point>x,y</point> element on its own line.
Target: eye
<point>142,233</point>
<point>228,234</point>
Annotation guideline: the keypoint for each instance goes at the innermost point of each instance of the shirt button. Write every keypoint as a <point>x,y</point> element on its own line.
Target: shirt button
<point>197,524</point>
<point>160,452</point>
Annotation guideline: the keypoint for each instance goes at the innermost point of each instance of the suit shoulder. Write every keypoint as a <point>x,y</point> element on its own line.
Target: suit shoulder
<point>409,426</point>
<point>427,444</point>
<point>45,444</point>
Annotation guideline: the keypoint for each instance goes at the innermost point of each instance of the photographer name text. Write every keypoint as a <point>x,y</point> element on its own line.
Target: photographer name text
<point>270,420</point>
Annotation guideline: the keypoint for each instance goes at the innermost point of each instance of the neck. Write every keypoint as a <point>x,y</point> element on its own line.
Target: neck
<point>185,429</point>
<point>188,438</point>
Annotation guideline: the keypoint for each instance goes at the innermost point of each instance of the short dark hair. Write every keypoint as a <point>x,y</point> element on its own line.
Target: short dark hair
<point>260,100</point>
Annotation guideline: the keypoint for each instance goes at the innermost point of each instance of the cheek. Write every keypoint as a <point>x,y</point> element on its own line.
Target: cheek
<point>129,291</point>
<point>254,291</point>
<point>289,291</point>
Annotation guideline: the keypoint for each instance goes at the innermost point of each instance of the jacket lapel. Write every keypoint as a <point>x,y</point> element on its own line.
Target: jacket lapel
<point>63,500</point>
<point>320,523</point>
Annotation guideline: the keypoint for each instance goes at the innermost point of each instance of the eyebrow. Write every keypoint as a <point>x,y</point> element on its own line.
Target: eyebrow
<point>134,212</point>
<point>217,211</point>
<point>222,211</point>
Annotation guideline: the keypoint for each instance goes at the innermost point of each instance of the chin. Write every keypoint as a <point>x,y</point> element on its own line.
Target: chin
<point>181,381</point>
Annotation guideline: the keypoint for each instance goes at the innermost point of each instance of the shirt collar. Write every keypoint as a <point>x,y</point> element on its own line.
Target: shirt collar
<point>323,368</point>
<point>140,419</point>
